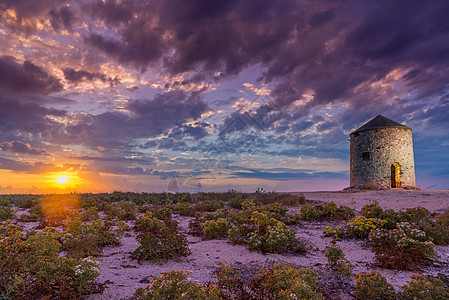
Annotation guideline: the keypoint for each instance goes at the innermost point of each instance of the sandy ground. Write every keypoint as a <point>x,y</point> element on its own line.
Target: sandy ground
<point>122,276</point>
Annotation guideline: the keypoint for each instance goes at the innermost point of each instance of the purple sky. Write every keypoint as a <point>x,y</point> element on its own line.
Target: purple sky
<point>208,95</point>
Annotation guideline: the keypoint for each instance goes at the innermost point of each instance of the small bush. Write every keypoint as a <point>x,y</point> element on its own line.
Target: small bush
<point>440,231</point>
<point>272,235</point>
<point>373,286</point>
<point>82,239</point>
<point>161,246</point>
<point>6,213</point>
<point>372,210</point>
<point>89,214</point>
<point>209,205</point>
<point>215,229</point>
<point>236,202</point>
<point>31,266</point>
<point>425,287</point>
<point>361,227</point>
<point>123,210</point>
<point>183,209</point>
<point>285,282</point>
<point>163,213</point>
<point>219,213</point>
<point>174,285</point>
<point>309,213</point>
<point>148,223</point>
<point>338,262</point>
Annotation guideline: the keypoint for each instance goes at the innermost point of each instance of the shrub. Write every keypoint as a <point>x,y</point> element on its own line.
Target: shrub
<point>195,225</point>
<point>338,262</point>
<point>82,239</point>
<point>372,210</point>
<point>285,282</point>
<point>361,227</point>
<point>174,285</point>
<point>219,213</point>
<point>293,219</point>
<point>209,205</point>
<point>425,287</point>
<point>183,208</point>
<point>31,265</point>
<point>309,212</point>
<point>163,213</point>
<point>271,235</point>
<point>236,202</point>
<point>89,214</point>
<point>440,231</point>
<point>215,229</point>
<point>230,283</point>
<point>409,247</point>
<point>123,210</point>
<point>166,244</point>
<point>392,258</point>
<point>373,286</point>
<point>6,213</point>
<point>334,254</point>
<point>148,223</point>
<point>345,212</point>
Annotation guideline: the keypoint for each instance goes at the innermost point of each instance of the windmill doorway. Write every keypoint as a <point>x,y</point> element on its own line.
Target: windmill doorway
<point>395,175</point>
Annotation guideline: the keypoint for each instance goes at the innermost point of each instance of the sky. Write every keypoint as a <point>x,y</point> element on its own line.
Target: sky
<point>200,95</point>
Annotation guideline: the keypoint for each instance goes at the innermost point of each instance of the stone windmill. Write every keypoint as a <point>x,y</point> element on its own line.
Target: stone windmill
<point>382,155</point>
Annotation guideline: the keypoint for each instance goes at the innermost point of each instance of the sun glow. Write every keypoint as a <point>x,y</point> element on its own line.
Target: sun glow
<point>62,180</point>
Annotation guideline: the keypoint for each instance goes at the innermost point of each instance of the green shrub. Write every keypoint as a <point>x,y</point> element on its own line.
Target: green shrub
<point>82,239</point>
<point>6,213</point>
<point>123,210</point>
<point>345,212</point>
<point>373,286</point>
<point>439,232</point>
<point>163,245</point>
<point>271,235</point>
<point>285,282</point>
<point>425,287</point>
<point>361,227</point>
<point>89,214</point>
<point>215,229</point>
<point>372,210</point>
<point>219,213</point>
<point>148,223</point>
<point>309,212</point>
<point>236,202</point>
<point>209,205</point>
<point>31,265</point>
<point>163,213</point>
<point>403,248</point>
<point>174,285</point>
<point>334,254</point>
<point>183,209</point>
<point>337,261</point>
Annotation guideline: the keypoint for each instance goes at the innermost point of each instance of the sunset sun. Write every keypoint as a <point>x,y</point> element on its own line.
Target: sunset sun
<point>62,179</point>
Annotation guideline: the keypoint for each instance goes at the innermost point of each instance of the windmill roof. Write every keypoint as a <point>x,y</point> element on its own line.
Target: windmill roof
<point>380,122</point>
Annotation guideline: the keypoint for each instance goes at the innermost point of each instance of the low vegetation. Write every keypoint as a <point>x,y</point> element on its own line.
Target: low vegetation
<point>60,256</point>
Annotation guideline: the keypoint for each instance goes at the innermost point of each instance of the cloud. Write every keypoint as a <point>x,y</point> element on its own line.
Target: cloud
<point>19,119</point>
<point>26,77</point>
<point>21,148</point>
<point>138,119</point>
<point>76,77</point>
<point>62,18</point>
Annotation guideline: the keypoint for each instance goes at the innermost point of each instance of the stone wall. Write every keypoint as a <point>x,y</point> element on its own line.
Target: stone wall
<point>373,151</point>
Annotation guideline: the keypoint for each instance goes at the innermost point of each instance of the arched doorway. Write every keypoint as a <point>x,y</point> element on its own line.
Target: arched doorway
<point>395,175</point>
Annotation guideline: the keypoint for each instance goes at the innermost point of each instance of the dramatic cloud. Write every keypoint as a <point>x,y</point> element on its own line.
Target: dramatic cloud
<point>80,76</point>
<point>21,148</point>
<point>191,88</point>
<point>25,77</point>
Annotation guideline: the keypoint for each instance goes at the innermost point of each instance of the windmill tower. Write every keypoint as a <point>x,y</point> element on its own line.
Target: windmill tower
<point>382,155</point>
